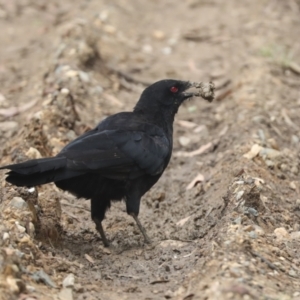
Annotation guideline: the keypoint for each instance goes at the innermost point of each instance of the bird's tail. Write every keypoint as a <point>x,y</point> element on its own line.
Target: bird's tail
<point>39,171</point>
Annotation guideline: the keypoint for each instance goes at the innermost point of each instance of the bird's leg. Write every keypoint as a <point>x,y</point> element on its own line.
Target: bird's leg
<point>101,232</point>
<point>98,209</point>
<point>141,228</point>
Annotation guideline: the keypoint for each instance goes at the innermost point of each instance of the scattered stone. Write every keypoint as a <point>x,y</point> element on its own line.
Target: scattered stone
<point>270,163</point>
<point>30,288</point>
<point>295,139</point>
<point>65,91</point>
<point>69,281</point>
<point>5,236</point>
<point>237,221</point>
<point>183,221</point>
<point>158,34</point>
<point>71,73</point>
<point>255,149</point>
<point>110,29</point>
<point>251,211</point>
<point>166,50</point>
<point>31,229</point>
<point>273,143</point>
<point>169,294</point>
<point>65,294</point>
<point>284,167</point>
<point>293,185</point>
<point>252,235</point>
<point>21,229</point>
<point>84,76</point>
<point>12,284</point>
<point>8,126</point>
<point>147,49</point>
<point>184,141</point>
<point>295,235</point>
<point>259,230</point>
<point>295,170</point>
<point>269,153</point>
<point>41,276</point>
<point>249,228</point>
<point>78,288</point>
<point>19,203</point>
<point>239,195</point>
<point>33,153</point>
<point>293,273</point>
<point>281,233</point>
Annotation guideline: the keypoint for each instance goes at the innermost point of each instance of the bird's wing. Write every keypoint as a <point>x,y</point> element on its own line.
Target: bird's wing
<point>119,154</point>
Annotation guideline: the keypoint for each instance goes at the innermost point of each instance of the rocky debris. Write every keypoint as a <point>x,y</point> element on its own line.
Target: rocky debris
<point>69,281</point>
<point>234,233</point>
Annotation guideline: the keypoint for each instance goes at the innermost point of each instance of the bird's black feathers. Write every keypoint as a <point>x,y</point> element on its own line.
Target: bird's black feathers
<point>119,159</point>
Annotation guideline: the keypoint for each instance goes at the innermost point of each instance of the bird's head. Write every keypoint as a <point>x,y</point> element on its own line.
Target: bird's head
<point>169,94</point>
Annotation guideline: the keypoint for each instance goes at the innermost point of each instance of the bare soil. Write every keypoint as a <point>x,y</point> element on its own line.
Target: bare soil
<point>224,218</point>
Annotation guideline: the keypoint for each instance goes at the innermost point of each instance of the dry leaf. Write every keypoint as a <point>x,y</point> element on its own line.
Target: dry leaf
<point>186,124</point>
<point>89,258</point>
<point>182,221</point>
<point>198,178</point>
<point>113,99</point>
<point>255,149</point>
<point>201,150</point>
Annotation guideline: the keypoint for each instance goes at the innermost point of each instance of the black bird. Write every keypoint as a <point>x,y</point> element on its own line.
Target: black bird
<point>122,158</point>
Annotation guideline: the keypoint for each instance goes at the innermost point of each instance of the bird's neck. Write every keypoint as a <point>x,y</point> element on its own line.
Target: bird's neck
<point>162,118</point>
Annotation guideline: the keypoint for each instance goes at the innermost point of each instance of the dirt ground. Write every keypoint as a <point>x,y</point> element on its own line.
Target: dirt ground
<point>224,217</point>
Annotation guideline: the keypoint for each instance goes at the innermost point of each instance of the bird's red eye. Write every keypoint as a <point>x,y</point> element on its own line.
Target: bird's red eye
<point>174,89</point>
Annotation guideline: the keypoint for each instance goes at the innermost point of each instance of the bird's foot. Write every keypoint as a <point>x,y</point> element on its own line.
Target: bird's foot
<point>101,232</point>
<point>141,228</point>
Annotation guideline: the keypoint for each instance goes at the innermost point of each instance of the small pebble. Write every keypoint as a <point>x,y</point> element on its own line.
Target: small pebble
<point>284,167</point>
<point>158,34</point>
<point>31,190</point>
<point>65,294</point>
<point>21,229</point>
<point>5,236</point>
<point>166,50</point>
<point>251,211</point>
<point>270,163</point>
<point>31,229</point>
<point>19,203</point>
<point>65,91</point>
<point>84,76</point>
<point>293,185</point>
<point>295,235</point>
<point>281,233</point>
<point>249,228</point>
<point>147,49</point>
<point>71,73</point>
<point>30,288</point>
<point>8,125</point>
<point>239,195</point>
<point>169,294</point>
<point>252,235</point>
<point>69,281</point>
<point>269,152</point>
<point>294,170</point>
<point>33,153</point>
<point>295,139</point>
<point>293,273</point>
<point>184,141</point>
<point>237,220</point>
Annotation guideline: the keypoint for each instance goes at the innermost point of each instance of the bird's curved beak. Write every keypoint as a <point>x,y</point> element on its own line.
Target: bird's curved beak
<point>204,90</point>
